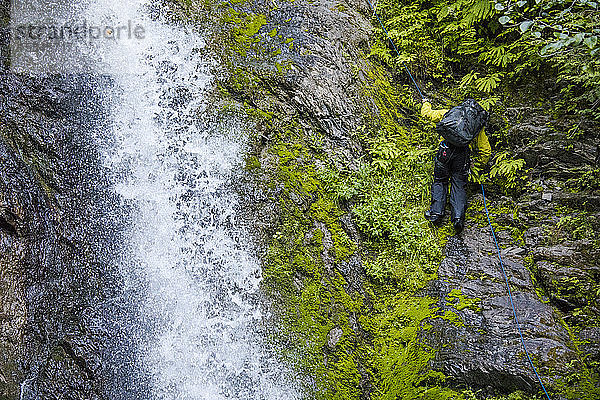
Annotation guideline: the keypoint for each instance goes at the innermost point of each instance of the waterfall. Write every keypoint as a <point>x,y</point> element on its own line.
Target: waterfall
<point>189,273</point>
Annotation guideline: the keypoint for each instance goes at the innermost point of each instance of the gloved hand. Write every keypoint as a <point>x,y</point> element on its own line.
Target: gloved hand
<point>425,100</point>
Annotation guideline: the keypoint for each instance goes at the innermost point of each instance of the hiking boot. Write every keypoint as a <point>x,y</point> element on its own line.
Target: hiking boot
<point>458,227</point>
<point>433,218</point>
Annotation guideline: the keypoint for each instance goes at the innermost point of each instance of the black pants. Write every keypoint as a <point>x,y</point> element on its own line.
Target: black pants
<point>451,166</point>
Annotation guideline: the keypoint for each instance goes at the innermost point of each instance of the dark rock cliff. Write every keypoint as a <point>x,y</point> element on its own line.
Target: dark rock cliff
<point>57,237</point>
<point>549,244</point>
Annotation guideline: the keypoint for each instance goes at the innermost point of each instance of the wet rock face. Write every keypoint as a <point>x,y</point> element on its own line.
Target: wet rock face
<point>549,242</point>
<point>560,220</point>
<point>569,273</point>
<point>481,347</point>
<point>323,93</point>
<point>26,223</point>
<point>55,247</point>
<point>475,336</point>
<point>322,90</point>
<point>323,85</point>
<point>13,251</point>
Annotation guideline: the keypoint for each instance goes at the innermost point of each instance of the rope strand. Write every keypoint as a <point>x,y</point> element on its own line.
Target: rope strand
<point>395,48</point>
<point>514,310</point>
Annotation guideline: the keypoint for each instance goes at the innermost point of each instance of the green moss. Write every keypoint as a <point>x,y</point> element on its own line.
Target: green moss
<point>504,217</point>
<point>326,211</point>
<point>295,169</point>
<point>518,395</point>
<point>391,105</point>
<point>459,301</point>
<point>529,263</point>
<point>243,28</point>
<point>314,298</point>
<point>582,382</point>
<point>340,7</point>
<point>573,224</point>
<point>382,319</point>
<point>401,256</point>
<point>452,317</point>
<point>252,163</point>
<point>257,114</point>
<point>250,28</point>
<point>397,360</point>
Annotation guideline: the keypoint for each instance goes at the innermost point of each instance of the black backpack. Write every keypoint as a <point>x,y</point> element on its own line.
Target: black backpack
<point>462,123</point>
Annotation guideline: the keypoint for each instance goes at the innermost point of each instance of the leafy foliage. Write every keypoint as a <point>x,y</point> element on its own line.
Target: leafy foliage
<point>558,24</point>
<point>492,45</point>
<point>507,171</point>
<point>567,33</point>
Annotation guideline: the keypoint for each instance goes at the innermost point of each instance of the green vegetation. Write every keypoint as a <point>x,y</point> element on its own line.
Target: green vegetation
<point>459,301</point>
<point>349,305</point>
<point>488,46</point>
<point>379,342</point>
<point>566,32</point>
<point>508,172</point>
<point>382,318</point>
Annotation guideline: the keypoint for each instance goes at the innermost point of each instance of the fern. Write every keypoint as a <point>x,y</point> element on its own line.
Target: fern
<point>380,52</point>
<point>477,11</point>
<point>489,102</point>
<point>488,83</point>
<point>469,79</point>
<point>507,171</point>
<point>497,56</point>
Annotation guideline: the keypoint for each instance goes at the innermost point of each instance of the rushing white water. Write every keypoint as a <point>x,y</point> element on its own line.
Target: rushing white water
<point>188,267</point>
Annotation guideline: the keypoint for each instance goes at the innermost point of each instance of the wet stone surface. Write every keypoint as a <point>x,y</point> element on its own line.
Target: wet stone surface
<point>58,232</point>
<point>482,344</point>
<point>549,243</point>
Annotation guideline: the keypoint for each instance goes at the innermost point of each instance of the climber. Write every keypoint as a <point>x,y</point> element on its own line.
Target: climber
<point>452,161</point>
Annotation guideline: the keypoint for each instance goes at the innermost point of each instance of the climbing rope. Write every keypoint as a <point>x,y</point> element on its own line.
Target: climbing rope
<point>395,48</point>
<point>514,310</point>
<point>510,294</point>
